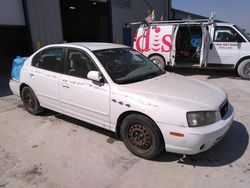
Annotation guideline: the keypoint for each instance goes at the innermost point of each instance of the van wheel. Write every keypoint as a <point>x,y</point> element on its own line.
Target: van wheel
<point>30,101</point>
<point>244,69</point>
<point>141,136</point>
<point>158,60</point>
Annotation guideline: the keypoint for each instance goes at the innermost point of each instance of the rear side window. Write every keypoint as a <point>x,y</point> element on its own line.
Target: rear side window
<point>49,59</point>
<point>226,34</point>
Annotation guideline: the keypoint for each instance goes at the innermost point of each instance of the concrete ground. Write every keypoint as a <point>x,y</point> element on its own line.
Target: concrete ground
<point>53,150</point>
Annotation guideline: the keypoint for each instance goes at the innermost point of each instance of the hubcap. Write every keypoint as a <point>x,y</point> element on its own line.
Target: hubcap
<point>139,137</point>
<point>158,63</point>
<point>247,69</point>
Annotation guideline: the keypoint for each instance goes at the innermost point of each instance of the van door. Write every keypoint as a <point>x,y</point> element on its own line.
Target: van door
<point>226,46</point>
<point>204,46</point>
<point>173,47</point>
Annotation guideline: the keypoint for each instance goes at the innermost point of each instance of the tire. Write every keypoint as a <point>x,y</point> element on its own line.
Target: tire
<point>30,101</point>
<point>244,69</point>
<point>141,136</point>
<point>158,60</point>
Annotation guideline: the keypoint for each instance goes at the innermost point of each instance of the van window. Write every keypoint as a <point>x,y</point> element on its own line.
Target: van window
<point>226,34</point>
<point>49,59</point>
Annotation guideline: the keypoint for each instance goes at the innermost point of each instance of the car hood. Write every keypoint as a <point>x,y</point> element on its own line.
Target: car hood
<point>177,90</point>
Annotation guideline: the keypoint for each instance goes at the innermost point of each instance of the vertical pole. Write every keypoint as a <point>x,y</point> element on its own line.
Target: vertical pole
<point>110,22</point>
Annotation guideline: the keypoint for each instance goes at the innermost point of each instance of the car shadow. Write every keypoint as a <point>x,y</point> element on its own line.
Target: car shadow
<point>211,73</point>
<point>228,150</point>
<point>80,123</point>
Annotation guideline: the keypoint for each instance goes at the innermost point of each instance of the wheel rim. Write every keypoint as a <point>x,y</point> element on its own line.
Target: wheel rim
<point>139,138</point>
<point>158,63</point>
<point>29,101</point>
<point>246,69</point>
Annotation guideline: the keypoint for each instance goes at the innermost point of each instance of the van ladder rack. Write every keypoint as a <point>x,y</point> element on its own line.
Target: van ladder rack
<point>208,21</point>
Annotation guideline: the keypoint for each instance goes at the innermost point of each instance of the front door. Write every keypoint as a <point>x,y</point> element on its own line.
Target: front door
<point>80,97</point>
<point>226,45</point>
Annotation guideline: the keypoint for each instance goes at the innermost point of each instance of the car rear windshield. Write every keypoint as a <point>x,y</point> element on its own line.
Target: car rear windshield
<point>125,65</point>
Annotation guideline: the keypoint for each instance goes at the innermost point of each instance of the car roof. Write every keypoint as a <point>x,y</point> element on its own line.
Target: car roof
<point>93,45</point>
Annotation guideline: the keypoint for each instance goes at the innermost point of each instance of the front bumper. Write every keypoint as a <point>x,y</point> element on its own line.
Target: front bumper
<point>15,86</point>
<point>198,139</point>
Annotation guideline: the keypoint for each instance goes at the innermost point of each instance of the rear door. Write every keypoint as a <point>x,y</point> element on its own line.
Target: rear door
<point>173,47</point>
<point>44,76</point>
<point>80,97</point>
<point>204,45</point>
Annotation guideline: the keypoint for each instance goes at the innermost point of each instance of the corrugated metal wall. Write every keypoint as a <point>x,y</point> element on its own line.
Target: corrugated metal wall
<point>11,13</point>
<point>44,20</point>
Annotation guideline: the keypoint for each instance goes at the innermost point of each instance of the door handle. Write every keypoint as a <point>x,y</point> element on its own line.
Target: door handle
<point>31,75</point>
<point>65,86</point>
<point>211,46</point>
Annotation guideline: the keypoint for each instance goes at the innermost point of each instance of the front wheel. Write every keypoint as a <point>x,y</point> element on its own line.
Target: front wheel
<point>30,101</point>
<point>141,136</point>
<point>244,69</point>
<point>158,60</point>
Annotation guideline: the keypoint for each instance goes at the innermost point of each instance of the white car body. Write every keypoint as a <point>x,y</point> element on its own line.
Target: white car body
<point>165,99</point>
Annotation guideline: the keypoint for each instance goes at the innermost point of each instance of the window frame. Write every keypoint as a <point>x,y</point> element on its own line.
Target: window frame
<point>40,53</point>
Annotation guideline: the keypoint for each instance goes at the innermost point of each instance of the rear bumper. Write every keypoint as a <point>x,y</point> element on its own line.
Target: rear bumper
<point>196,140</point>
<point>15,86</point>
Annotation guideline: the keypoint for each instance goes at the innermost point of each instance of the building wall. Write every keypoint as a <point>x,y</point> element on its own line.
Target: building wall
<point>43,17</point>
<point>179,15</point>
<point>128,11</point>
<point>11,13</point>
<point>44,21</point>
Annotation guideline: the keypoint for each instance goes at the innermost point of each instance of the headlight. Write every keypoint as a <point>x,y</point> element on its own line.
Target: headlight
<point>201,118</point>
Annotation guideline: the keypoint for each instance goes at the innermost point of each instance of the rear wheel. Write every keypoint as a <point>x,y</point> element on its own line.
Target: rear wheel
<point>141,136</point>
<point>158,60</point>
<point>244,69</point>
<point>30,101</point>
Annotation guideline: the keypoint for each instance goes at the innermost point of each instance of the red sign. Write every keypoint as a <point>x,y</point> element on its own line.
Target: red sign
<point>162,44</point>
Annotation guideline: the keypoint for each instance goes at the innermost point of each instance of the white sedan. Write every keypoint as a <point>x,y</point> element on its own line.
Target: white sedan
<point>117,88</point>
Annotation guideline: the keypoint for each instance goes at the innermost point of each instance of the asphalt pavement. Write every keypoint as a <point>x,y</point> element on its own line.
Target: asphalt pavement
<point>55,151</point>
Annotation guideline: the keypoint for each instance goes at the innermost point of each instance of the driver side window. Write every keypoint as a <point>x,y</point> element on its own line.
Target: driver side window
<point>226,34</point>
<point>79,64</point>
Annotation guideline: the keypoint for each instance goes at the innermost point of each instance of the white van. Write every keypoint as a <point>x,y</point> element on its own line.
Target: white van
<point>200,43</point>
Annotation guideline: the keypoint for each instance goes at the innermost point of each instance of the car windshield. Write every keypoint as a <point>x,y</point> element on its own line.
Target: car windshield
<point>242,32</point>
<point>125,65</point>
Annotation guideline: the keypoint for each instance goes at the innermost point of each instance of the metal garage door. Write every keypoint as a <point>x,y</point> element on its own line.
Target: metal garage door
<point>11,12</point>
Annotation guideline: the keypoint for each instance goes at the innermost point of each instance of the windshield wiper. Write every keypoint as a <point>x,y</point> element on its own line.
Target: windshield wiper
<point>154,74</point>
<point>141,78</point>
<point>131,80</point>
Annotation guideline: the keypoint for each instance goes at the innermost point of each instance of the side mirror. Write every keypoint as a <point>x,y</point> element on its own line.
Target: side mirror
<point>95,76</point>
